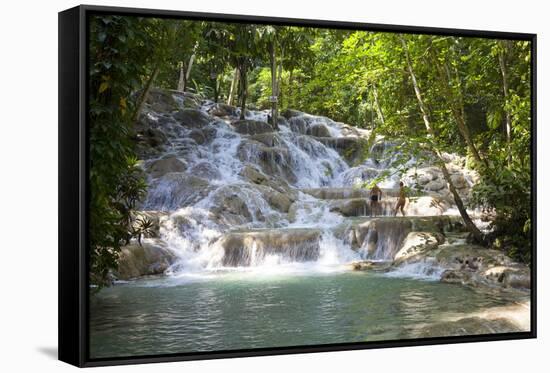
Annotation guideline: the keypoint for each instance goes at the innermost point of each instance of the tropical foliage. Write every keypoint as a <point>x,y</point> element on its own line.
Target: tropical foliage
<point>433,94</point>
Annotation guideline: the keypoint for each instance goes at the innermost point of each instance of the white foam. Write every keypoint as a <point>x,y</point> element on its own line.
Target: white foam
<point>417,270</point>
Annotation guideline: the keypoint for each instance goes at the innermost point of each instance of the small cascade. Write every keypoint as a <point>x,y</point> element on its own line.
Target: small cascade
<point>381,238</point>
<point>425,270</point>
<point>255,248</point>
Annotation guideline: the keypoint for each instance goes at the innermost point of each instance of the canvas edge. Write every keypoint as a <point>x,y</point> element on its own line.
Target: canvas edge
<point>73,286</point>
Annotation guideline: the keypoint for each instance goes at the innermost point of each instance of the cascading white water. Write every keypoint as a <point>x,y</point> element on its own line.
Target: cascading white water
<point>238,182</point>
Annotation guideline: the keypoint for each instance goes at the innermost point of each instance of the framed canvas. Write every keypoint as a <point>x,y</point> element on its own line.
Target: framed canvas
<point>235,186</point>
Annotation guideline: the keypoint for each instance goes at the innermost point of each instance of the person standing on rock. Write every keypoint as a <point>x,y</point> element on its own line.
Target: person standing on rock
<point>375,197</point>
<point>402,199</point>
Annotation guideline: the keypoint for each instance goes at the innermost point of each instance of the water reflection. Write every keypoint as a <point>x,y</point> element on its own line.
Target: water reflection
<point>232,312</point>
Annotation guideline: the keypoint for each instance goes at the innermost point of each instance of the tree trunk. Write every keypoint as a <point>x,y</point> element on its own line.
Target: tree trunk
<point>216,88</point>
<point>279,79</point>
<point>234,83</point>
<point>457,108</point>
<point>188,72</point>
<point>504,72</point>
<point>377,103</point>
<point>274,90</point>
<point>244,88</point>
<point>290,82</point>
<point>478,236</point>
<point>181,80</point>
<point>143,97</point>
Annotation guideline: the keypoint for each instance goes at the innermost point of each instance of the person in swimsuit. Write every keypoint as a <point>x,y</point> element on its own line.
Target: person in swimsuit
<point>375,197</point>
<point>402,200</point>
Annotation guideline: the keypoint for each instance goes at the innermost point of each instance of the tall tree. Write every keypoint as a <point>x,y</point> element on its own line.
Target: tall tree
<point>452,91</point>
<point>435,148</point>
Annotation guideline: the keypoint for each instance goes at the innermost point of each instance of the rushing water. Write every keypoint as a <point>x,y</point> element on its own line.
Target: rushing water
<point>244,310</point>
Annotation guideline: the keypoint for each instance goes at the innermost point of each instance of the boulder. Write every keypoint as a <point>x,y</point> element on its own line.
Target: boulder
<point>161,167</point>
<point>468,326</point>
<point>348,147</point>
<point>426,206</point>
<point>423,175</point>
<point>298,125</point>
<point>291,113</point>
<point>206,171</point>
<point>152,257</point>
<point>231,208</point>
<point>203,135</point>
<point>186,100</point>
<point>459,181</point>
<point>416,243</point>
<point>364,265</point>
<point>464,264</point>
<point>192,118</point>
<point>515,276</point>
<point>256,176</point>
<point>251,127</point>
<point>273,161</point>
<point>435,185</point>
<point>151,137</point>
<point>161,101</point>
<point>279,201</point>
<point>175,190</point>
<point>223,110</point>
<point>270,139</point>
<point>318,130</point>
<point>198,136</point>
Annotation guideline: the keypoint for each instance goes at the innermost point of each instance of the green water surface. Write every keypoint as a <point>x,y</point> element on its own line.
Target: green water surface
<point>245,311</point>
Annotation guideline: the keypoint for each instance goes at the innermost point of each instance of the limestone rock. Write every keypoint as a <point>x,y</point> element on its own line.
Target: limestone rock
<point>175,190</point>
<point>250,248</point>
<point>435,185</point>
<point>459,181</point>
<point>150,258</point>
<point>206,171</point>
<point>163,166</point>
<point>290,113</point>
<point>161,100</point>
<point>252,127</point>
<point>426,206</point>
<point>192,118</point>
<point>469,326</point>
<point>223,110</point>
<point>273,161</point>
<point>348,147</point>
<point>298,125</point>
<point>269,139</point>
<point>151,137</point>
<point>417,242</point>
<point>318,130</point>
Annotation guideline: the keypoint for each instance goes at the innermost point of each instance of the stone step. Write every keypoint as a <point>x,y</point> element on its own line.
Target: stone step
<point>345,193</point>
<point>375,238</point>
<point>417,206</point>
<point>383,237</point>
<point>249,248</point>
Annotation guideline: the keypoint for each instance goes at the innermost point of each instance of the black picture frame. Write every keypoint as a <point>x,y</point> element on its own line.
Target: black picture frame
<point>74,189</point>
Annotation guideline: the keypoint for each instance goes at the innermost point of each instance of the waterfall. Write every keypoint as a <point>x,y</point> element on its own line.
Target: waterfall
<point>258,197</point>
